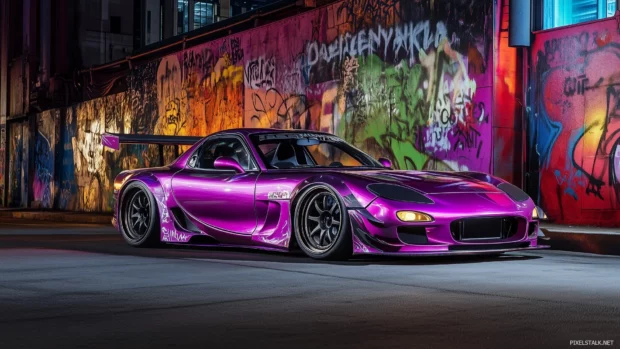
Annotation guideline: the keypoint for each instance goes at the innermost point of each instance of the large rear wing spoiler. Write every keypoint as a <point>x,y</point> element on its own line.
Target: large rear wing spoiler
<point>114,141</point>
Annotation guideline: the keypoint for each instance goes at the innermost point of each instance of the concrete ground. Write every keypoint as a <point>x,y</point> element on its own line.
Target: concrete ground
<point>77,286</point>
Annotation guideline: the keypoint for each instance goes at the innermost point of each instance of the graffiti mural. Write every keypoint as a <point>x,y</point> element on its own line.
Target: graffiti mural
<point>18,164</point>
<point>397,80</point>
<point>46,137</point>
<point>576,119</point>
<point>410,81</point>
<point>95,166</point>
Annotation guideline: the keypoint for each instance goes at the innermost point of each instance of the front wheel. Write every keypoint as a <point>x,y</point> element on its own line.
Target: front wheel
<point>138,216</point>
<point>322,225</point>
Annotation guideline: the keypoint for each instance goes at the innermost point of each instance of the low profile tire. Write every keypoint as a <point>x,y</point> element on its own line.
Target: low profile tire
<point>138,216</point>
<point>322,225</point>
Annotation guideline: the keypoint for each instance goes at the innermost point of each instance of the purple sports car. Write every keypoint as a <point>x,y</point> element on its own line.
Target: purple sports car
<point>279,189</point>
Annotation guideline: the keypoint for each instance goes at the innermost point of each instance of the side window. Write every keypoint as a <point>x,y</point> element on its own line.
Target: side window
<point>204,157</point>
<point>329,155</point>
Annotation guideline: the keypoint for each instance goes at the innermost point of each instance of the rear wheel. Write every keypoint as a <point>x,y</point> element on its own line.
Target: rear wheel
<point>138,216</point>
<point>322,226</point>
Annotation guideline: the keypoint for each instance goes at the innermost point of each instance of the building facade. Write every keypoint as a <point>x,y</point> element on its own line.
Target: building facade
<point>430,85</point>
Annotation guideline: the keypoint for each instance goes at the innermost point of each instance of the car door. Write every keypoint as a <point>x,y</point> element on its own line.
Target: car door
<point>221,199</point>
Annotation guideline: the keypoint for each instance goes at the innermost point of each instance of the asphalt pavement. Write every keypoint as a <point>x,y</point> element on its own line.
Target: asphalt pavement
<point>80,286</point>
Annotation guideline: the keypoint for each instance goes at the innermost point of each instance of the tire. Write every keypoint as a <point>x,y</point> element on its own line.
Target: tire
<point>139,218</point>
<point>322,226</point>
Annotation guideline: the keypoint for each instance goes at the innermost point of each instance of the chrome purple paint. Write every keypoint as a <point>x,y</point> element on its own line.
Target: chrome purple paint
<point>228,163</point>
<point>385,162</point>
<point>111,141</point>
<point>232,207</point>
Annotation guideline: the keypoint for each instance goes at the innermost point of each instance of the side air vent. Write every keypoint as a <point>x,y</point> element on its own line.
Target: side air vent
<point>183,221</point>
<point>202,240</point>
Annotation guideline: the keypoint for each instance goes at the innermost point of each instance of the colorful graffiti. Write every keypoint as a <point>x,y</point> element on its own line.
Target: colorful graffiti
<point>46,138</point>
<point>410,81</point>
<point>576,119</point>
<point>395,83</point>
<point>18,164</point>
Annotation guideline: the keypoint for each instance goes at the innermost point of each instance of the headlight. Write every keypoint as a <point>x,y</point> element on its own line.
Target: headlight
<point>398,193</point>
<point>413,216</point>
<point>538,214</point>
<point>514,192</point>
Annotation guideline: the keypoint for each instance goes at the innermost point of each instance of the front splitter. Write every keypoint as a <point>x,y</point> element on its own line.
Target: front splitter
<point>452,253</point>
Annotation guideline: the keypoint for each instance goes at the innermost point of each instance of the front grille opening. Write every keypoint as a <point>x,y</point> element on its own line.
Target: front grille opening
<point>492,228</point>
<point>532,229</point>
<point>413,235</point>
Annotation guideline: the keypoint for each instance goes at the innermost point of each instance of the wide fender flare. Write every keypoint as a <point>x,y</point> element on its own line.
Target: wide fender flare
<point>155,187</point>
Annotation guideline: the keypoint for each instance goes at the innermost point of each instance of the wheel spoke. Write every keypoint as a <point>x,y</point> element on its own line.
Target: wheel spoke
<point>337,223</point>
<point>316,239</point>
<point>316,205</point>
<point>325,203</point>
<point>326,239</point>
<point>334,232</point>
<point>315,230</point>
<point>313,218</point>
<point>135,215</point>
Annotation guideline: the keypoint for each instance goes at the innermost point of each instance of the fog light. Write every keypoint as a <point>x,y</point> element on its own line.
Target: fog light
<point>538,213</point>
<point>413,216</point>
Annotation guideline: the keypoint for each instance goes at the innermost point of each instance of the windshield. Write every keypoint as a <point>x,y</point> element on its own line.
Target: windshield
<point>303,150</point>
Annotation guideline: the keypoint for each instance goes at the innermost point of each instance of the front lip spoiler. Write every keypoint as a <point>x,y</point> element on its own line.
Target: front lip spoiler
<point>453,253</point>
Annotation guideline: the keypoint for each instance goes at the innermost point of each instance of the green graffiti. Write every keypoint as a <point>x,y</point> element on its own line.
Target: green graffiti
<point>385,110</point>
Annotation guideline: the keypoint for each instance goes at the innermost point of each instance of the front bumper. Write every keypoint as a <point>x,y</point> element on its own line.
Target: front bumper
<point>377,230</point>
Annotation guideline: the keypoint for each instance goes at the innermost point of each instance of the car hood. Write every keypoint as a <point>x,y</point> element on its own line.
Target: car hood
<point>428,182</point>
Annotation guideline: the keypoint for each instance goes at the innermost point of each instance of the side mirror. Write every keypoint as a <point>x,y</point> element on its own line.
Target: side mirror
<point>228,163</point>
<point>385,162</point>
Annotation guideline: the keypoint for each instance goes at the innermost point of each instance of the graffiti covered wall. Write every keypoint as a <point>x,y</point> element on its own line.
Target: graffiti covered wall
<point>46,139</point>
<point>18,164</point>
<point>575,121</point>
<point>407,80</point>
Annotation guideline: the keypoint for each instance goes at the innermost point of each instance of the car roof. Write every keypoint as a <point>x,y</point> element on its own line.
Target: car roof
<point>254,131</point>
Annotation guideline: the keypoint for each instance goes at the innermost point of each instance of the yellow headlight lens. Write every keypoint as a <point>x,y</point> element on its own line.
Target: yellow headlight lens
<point>413,216</point>
<point>535,213</point>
